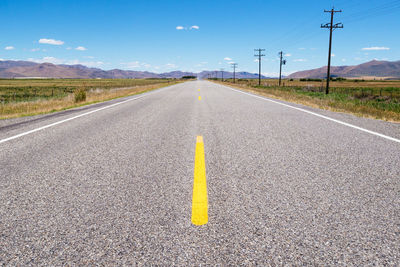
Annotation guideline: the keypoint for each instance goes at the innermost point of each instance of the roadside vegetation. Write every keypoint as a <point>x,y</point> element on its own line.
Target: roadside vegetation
<point>367,98</point>
<point>37,96</point>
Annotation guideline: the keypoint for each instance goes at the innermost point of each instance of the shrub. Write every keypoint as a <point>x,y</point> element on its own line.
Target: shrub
<point>310,80</point>
<point>80,95</point>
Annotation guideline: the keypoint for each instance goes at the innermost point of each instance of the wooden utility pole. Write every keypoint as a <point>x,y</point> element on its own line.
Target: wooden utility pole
<point>331,27</point>
<point>283,62</point>
<point>234,66</point>
<point>259,55</point>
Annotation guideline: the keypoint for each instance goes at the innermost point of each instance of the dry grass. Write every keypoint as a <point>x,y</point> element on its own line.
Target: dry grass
<point>41,106</point>
<point>359,108</point>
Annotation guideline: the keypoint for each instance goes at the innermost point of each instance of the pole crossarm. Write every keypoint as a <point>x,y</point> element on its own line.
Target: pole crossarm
<point>336,26</point>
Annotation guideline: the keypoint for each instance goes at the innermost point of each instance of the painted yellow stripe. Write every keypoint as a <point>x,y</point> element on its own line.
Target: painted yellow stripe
<point>198,90</point>
<point>200,200</point>
<point>199,97</point>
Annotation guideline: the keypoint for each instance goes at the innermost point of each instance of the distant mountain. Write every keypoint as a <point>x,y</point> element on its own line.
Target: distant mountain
<point>5,64</point>
<point>373,68</point>
<point>228,75</point>
<point>21,69</point>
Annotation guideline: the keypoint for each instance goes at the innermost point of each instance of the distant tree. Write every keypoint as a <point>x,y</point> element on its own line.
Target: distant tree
<point>189,77</point>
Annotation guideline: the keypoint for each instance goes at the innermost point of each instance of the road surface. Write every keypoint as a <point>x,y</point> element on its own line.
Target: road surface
<point>112,183</point>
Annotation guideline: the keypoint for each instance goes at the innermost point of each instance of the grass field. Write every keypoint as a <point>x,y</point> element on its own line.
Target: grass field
<point>374,99</point>
<point>36,96</point>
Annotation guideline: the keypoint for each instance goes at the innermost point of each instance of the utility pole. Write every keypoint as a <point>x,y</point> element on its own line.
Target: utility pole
<point>234,66</point>
<point>259,63</point>
<point>331,27</point>
<point>283,62</point>
<point>222,74</point>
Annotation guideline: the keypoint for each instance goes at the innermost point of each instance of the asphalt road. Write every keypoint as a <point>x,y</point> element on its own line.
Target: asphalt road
<point>114,187</point>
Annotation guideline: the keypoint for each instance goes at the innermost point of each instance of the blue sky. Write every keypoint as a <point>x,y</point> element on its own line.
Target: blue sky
<point>160,36</point>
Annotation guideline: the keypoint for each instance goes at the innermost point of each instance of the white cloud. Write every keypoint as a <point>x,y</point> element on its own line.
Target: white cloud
<point>333,55</point>
<point>194,27</point>
<point>35,49</point>
<point>227,59</point>
<point>135,64</point>
<point>201,64</point>
<point>375,48</point>
<point>50,41</point>
<point>302,48</point>
<point>300,60</point>
<point>9,48</point>
<point>288,55</point>
<point>81,48</point>
<point>91,57</point>
<point>272,74</point>
<point>343,60</point>
<point>85,63</point>
<point>54,60</point>
<point>131,65</point>
<point>69,48</point>
<point>380,59</point>
<point>170,65</point>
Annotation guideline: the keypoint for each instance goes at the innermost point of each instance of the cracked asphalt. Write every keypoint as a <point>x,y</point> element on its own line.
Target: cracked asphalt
<point>114,187</point>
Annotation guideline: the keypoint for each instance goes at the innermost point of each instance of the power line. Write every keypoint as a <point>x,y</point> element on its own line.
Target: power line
<point>300,30</point>
<point>331,27</point>
<point>260,50</point>
<point>383,9</point>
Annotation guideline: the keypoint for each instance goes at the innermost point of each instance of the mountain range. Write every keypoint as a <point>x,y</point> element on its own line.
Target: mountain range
<point>25,69</point>
<point>374,68</point>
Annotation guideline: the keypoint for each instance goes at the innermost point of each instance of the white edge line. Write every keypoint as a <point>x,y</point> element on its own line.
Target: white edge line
<point>78,116</point>
<point>318,115</point>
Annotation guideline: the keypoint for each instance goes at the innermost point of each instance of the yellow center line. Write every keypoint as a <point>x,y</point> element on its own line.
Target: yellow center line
<point>199,97</point>
<point>198,90</point>
<point>200,200</point>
